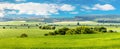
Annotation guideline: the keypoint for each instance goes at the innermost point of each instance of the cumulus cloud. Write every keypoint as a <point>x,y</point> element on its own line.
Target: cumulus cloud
<point>105,7</point>
<point>36,8</point>
<point>67,7</point>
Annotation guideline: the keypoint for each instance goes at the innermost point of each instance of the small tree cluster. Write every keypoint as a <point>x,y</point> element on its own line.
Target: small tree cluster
<point>23,35</point>
<point>100,29</point>
<point>47,27</point>
<point>78,30</point>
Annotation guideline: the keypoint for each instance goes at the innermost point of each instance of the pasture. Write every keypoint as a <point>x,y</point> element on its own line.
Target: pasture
<point>10,38</point>
<point>84,41</point>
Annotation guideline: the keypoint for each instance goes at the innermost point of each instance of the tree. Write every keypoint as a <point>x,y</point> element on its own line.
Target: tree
<point>78,23</point>
<point>3,27</point>
<point>84,30</point>
<point>53,27</point>
<point>111,31</point>
<point>62,31</point>
<point>40,27</point>
<point>71,32</point>
<point>100,29</point>
<point>28,27</point>
<point>23,35</point>
<point>103,29</point>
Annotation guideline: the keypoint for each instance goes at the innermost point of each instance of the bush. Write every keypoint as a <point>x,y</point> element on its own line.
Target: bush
<point>47,27</point>
<point>45,34</point>
<point>62,31</point>
<point>3,27</point>
<point>100,29</point>
<point>23,35</point>
<point>53,27</point>
<point>79,30</point>
<point>84,30</point>
<point>103,29</point>
<point>111,31</point>
<point>52,33</point>
<point>71,32</point>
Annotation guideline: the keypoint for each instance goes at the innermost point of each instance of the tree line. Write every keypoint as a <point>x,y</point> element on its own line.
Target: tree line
<point>80,30</point>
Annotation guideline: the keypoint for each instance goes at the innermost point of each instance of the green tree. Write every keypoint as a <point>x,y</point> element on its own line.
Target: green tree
<point>84,30</point>
<point>100,29</point>
<point>71,32</point>
<point>62,31</point>
<point>78,23</point>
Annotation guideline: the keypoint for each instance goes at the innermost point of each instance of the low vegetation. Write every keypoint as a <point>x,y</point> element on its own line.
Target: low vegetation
<point>23,35</point>
<point>47,27</point>
<point>79,30</point>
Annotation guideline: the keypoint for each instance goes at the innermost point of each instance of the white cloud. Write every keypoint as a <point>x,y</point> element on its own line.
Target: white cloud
<point>67,7</point>
<point>1,14</point>
<point>105,7</point>
<point>20,0</point>
<point>36,8</point>
<point>74,12</point>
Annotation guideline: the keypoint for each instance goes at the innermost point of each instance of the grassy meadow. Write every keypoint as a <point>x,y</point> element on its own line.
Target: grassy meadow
<point>9,38</point>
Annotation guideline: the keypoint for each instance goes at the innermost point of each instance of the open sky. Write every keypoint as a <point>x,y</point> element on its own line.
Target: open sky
<point>57,8</point>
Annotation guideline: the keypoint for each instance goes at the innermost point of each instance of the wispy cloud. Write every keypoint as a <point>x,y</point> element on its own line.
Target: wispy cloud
<point>74,12</point>
<point>105,7</point>
<point>20,0</point>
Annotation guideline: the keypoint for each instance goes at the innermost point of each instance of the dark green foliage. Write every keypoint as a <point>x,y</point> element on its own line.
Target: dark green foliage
<point>63,31</point>
<point>79,30</point>
<point>100,29</point>
<point>82,30</point>
<point>53,27</point>
<point>78,23</point>
<point>45,34</point>
<point>28,27</point>
<point>40,27</point>
<point>71,32</point>
<point>111,31</point>
<point>47,27</point>
<point>3,27</point>
<point>52,33</point>
<point>23,35</point>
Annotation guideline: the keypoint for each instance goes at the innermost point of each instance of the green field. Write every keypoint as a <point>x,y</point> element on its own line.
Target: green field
<point>10,39</point>
<point>84,41</point>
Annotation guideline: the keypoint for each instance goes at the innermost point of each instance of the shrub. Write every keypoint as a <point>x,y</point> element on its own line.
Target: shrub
<point>62,31</point>
<point>40,27</point>
<point>23,35</point>
<point>78,23</point>
<point>71,32</point>
<point>53,27</point>
<point>111,31</point>
<point>84,30</point>
<point>52,33</point>
<point>3,27</point>
<point>100,29</point>
<point>45,34</point>
<point>103,29</point>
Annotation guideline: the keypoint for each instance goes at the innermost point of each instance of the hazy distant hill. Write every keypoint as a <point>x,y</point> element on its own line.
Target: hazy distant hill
<point>98,18</point>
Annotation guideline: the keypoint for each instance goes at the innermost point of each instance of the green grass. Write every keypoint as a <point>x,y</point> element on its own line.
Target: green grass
<point>10,38</point>
<point>18,23</point>
<point>84,41</point>
<point>8,33</point>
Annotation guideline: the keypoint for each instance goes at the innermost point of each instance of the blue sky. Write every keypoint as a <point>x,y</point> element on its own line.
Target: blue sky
<point>57,8</point>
